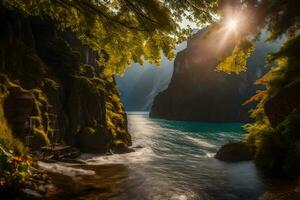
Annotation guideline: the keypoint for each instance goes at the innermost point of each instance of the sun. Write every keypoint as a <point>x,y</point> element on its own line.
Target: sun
<point>232,24</point>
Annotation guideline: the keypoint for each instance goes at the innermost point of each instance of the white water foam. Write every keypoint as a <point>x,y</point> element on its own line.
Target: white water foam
<point>209,155</point>
<point>61,168</point>
<point>200,142</point>
<point>179,197</point>
<point>139,156</point>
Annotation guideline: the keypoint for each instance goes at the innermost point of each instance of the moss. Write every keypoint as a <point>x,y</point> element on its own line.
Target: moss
<point>7,139</point>
<point>115,116</point>
<point>87,71</point>
<point>13,168</point>
<point>89,131</point>
<point>41,134</point>
<point>40,116</point>
<point>84,103</point>
<point>49,83</point>
<point>87,85</point>
<point>43,62</point>
<point>119,142</point>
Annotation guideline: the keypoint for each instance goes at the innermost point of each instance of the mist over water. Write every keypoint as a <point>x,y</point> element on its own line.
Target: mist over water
<point>173,160</point>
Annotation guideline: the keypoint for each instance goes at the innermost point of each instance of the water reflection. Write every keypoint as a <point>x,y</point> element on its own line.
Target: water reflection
<point>175,162</point>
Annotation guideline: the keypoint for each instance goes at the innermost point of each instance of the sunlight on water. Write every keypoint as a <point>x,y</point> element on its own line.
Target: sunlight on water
<point>139,156</point>
<point>200,142</point>
<point>174,160</point>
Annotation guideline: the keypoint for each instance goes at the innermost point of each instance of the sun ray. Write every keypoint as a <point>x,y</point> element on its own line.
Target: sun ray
<point>232,24</point>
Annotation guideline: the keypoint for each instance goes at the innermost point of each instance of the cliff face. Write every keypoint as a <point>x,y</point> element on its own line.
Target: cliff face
<point>54,88</point>
<point>198,93</point>
<point>140,84</point>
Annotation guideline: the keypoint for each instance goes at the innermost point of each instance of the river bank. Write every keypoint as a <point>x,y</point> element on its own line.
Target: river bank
<point>113,182</point>
<point>175,160</point>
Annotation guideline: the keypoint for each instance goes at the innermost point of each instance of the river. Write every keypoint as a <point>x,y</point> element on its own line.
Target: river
<point>172,160</point>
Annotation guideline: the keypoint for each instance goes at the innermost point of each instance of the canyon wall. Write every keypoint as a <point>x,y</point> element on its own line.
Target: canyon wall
<point>199,93</point>
<point>53,89</point>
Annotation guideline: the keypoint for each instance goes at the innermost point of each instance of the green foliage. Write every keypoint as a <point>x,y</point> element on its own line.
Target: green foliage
<point>88,131</point>
<point>278,18</point>
<point>13,165</point>
<point>13,170</point>
<point>96,88</point>
<point>41,117</point>
<point>115,117</point>
<point>6,138</point>
<point>277,148</point>
<point>237,61</point>
<point>287,73</point>
<point>122,31</point>
<point>125,30</point>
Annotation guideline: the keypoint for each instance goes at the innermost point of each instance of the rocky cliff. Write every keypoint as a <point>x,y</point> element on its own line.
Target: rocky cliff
<point>141,83</point>
<point>198,93</point>
<point>54,89</point>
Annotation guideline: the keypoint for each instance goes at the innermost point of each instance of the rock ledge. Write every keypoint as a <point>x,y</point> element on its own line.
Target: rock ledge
<point>235,151</point>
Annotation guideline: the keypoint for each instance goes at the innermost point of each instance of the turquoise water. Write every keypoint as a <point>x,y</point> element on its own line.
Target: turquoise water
<point>173,160</point>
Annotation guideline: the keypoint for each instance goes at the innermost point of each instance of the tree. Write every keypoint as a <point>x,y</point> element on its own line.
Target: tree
<point>126,30</point>
<point>275,132</point>
<point>277,17</point>
<point>138,30</point>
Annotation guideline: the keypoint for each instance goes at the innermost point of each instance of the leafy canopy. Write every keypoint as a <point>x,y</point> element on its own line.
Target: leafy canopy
<point>139,30</point>
<point>126,30</point>
<point>277,17</point>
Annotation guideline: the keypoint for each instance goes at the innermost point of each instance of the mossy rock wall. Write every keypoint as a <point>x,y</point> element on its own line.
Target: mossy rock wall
<point>26,112</point>
<point>63,75</point>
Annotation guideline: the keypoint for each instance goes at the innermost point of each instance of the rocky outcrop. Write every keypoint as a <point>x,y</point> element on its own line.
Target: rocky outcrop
<point>198,93</point>
<point>89,140</point>
<point>235,151</point>
<point>59,74</point>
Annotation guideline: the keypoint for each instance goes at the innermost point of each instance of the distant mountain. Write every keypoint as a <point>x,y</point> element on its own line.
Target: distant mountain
<point>140,84</point>
<point>198,93</point>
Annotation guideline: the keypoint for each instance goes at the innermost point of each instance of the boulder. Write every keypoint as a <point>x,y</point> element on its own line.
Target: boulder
<point>120,147</point>
<point>235,151</point>
<point>30,194</point>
